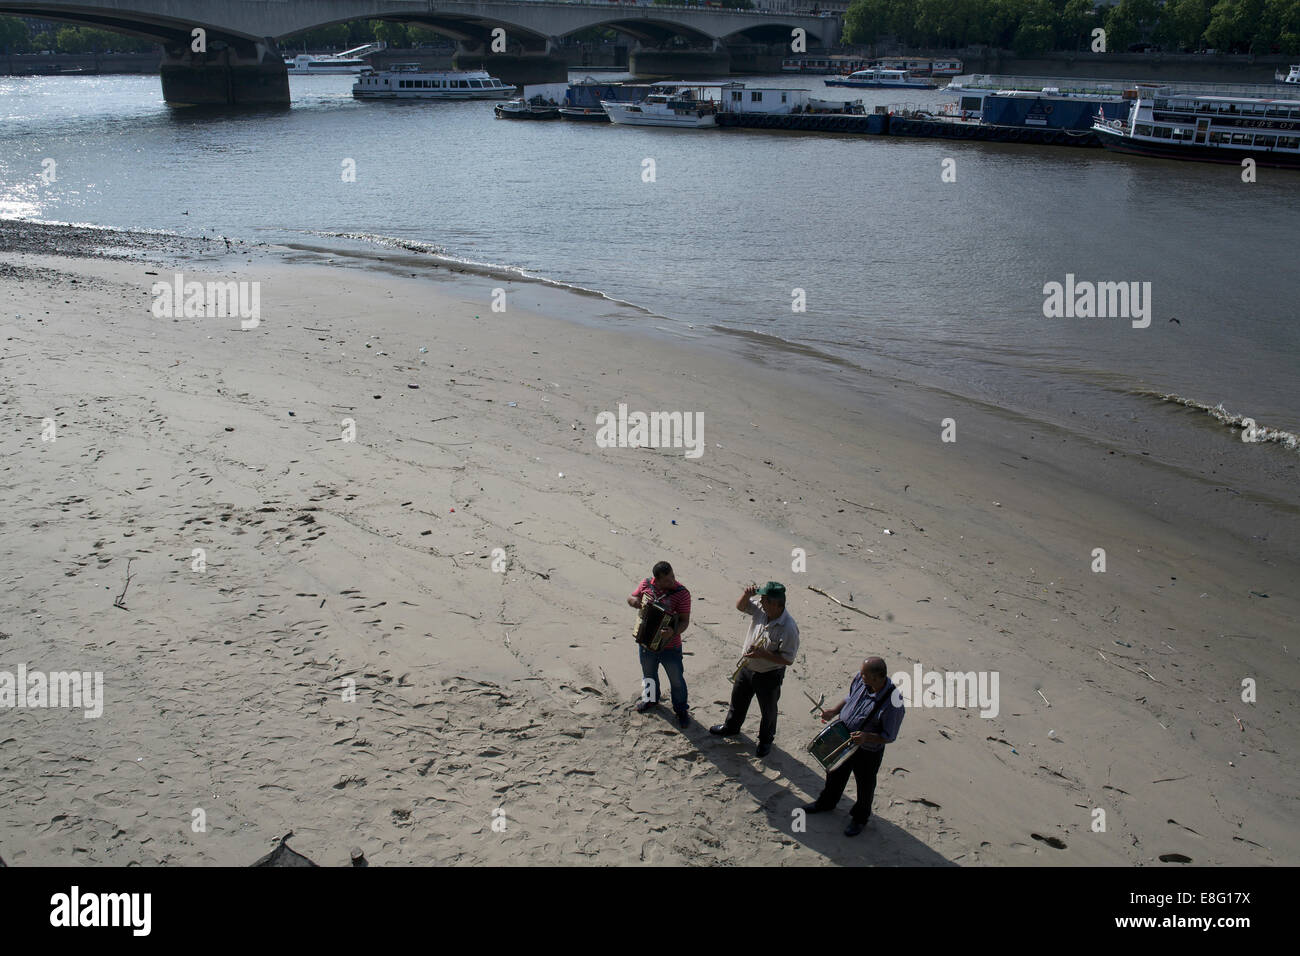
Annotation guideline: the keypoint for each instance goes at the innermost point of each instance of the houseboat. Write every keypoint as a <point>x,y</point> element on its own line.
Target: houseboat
<point>669,105</point>
<point>881,77</point>
<point>915,66</point>
<point>946,68</point>
<point>824,65</point>
<point>409,81</point>
<point>739,98</point>
<point>1049,108</point>
<point>1205,127</point>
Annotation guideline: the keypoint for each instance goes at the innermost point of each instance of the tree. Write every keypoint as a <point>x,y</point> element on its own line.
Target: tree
<point>15,35</point>
<point>1235,25</point>
<point>1078,18</point>
<point>394,34</point>
<point>1037,30</point>
<point>865,21</point>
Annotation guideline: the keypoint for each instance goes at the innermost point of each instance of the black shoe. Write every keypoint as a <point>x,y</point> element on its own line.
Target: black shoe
<point>763,750</point>
<point>853,829</point>
<point>683,720</point>
<point>644,705</point>
<point>720,730</point>
<point>814,808</point>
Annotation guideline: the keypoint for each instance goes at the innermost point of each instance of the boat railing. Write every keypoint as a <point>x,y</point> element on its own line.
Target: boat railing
<point>987,81</point>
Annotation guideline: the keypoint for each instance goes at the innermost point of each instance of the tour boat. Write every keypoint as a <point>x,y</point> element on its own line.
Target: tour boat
<point>1292,78</point>
<point>668,107</point>
<point>409,81</point>
<point>305,63</point>
<point>1205,127</point>
<point>894,79</point>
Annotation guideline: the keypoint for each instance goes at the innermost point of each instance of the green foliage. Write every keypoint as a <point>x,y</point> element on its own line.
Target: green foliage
<point>1033,26</point>
<point>387,31</point>
<point>14,35</point>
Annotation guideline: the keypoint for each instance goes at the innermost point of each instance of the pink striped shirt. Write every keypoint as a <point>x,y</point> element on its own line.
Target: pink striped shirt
<point>677,601</point>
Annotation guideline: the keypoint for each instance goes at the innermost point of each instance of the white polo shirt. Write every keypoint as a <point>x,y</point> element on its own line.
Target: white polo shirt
<point>782,637</point>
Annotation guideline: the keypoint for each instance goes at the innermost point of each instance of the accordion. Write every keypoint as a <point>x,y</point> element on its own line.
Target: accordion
<point>656,626</point>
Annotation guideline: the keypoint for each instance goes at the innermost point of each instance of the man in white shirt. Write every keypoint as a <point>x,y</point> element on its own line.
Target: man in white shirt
<point>764,668</point>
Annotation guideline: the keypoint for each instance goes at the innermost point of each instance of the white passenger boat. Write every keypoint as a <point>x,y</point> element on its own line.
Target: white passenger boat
<point>306,63</point>
<point>409,81</point>
<point>880,77</point>
<point>1206,127</point>
<point>667,106</point>
<point>1290,79</point>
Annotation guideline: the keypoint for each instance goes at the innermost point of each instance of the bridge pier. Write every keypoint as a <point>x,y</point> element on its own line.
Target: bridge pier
<point>679,63</point>
<point>228,74</point>
<point>518,68</point>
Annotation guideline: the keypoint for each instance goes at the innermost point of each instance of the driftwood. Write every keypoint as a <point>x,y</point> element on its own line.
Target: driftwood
<point>841,603</point>
<point>120,600</point>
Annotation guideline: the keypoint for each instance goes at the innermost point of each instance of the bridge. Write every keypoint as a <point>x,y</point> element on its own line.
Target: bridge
<point>236,59</point>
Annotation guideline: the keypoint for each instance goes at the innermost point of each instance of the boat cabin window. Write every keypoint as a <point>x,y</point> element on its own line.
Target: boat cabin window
<point>1267,142</point>
<point>737,96</point>
<point>756,97</point>
<point>1288,142</point>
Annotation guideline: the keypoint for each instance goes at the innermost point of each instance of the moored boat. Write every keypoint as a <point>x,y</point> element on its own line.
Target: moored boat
<point>1206,127</point>
<point>1289,79</point>
<point>582,101</point>
<point>522,110</point>
<point>584,114</point>
<point>670,105</point>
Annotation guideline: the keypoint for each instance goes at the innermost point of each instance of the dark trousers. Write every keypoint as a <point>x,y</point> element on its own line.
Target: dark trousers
<point>767,688</point>
<point>864,765</point>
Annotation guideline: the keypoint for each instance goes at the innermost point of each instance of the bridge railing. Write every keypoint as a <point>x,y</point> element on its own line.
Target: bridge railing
<point>800,8</point>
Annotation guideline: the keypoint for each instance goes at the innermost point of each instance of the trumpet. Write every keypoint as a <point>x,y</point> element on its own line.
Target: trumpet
<point>761,644</point>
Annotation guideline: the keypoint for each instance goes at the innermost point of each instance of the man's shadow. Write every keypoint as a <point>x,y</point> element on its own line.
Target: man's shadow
<point>880,843</point>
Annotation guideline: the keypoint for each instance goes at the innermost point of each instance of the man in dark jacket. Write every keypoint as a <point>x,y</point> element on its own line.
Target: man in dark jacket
<point>873,713</point>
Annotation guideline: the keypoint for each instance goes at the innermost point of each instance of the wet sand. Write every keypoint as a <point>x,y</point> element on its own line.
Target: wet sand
<point>487,696</point>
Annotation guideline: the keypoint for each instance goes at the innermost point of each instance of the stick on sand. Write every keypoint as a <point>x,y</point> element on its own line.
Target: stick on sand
<point>841,603</point>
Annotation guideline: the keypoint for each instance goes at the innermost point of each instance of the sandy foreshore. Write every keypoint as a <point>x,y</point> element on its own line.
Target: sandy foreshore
<point>331,559</point>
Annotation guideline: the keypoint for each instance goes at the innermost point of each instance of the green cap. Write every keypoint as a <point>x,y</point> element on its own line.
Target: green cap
<point>773,589</point>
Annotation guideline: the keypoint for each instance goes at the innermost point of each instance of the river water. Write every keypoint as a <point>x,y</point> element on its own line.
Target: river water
<point>901,273</point>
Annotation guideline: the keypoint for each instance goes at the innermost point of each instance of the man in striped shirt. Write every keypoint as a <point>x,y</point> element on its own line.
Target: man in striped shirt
<point>663,587</point>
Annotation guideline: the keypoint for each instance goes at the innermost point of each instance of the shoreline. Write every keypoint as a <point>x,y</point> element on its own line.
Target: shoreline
<point>177,435</point>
